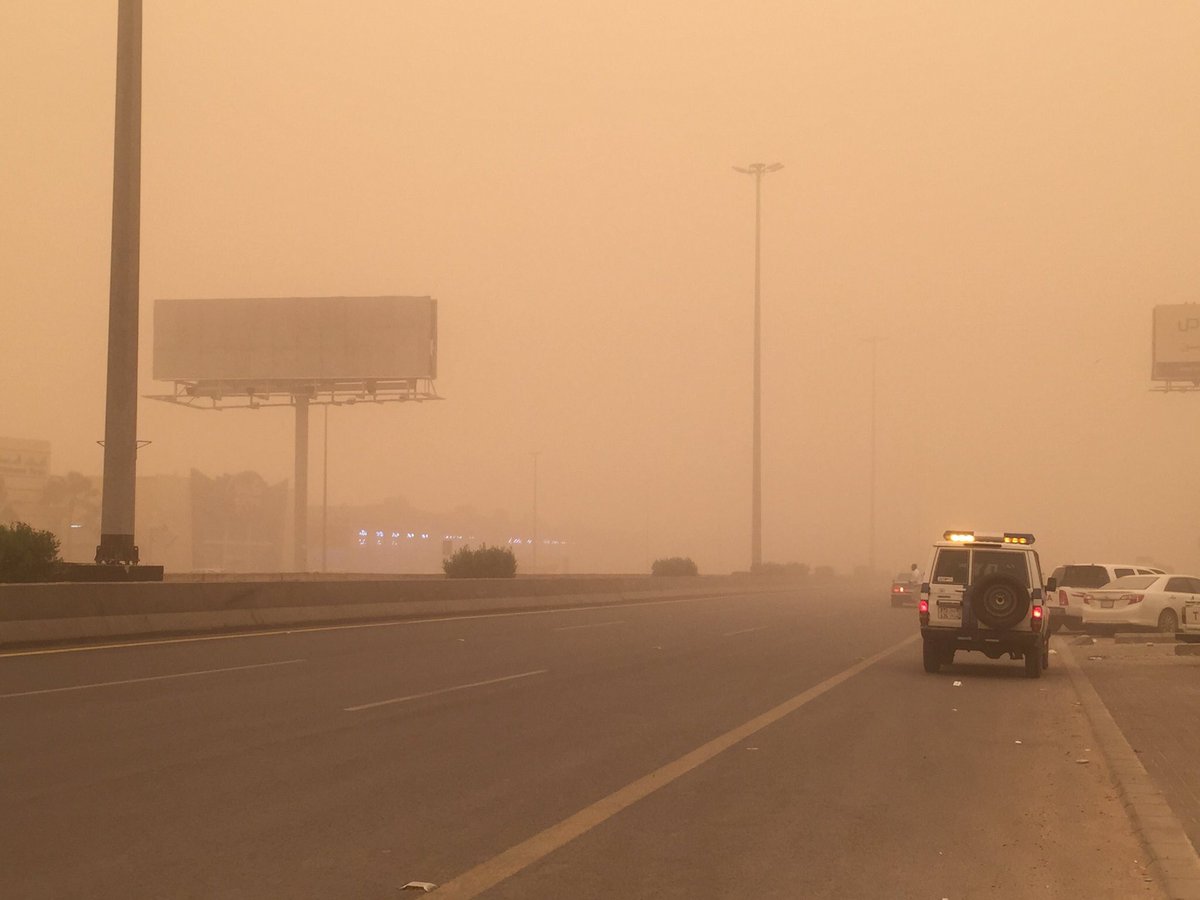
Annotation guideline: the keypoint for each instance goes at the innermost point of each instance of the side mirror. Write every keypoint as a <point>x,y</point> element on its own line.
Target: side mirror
<point>1051,585</point>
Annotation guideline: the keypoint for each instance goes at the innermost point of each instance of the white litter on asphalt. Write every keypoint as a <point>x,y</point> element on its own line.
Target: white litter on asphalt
<point>958,684</point>
<point>1016,742</point>
<point>751,748</point>
<point>1053,652</point>
<point>1083,761</point>
<point>425,886</point>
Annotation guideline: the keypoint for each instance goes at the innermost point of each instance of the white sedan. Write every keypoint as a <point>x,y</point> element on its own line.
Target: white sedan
<point>1147,601</point>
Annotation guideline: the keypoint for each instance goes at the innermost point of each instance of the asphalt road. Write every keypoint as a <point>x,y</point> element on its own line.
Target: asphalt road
<point>782,745</point>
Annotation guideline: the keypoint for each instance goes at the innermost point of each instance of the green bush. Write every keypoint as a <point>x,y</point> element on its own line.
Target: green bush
<point>674,565</point>
<point>27,554</point>
<point>486,562</point>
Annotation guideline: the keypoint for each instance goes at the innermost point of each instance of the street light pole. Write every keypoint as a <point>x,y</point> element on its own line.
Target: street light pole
<point>874,405</point>
<point>535,454</point>
<point>758,170</point>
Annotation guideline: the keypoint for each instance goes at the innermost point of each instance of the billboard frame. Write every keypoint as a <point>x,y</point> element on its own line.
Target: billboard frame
<point>1181,373</point>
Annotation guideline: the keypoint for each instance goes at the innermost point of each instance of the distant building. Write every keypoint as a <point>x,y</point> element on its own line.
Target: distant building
<point>24,468</point>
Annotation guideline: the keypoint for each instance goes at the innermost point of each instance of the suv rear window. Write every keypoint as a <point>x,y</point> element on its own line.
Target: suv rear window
<point>1084,577</point>
<point>999,562</point>
<point>951,567</point>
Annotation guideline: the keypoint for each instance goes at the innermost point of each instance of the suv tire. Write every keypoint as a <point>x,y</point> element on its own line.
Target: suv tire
<point>932,656</point>
<point>1033,663</point>
<point>1000,602</point>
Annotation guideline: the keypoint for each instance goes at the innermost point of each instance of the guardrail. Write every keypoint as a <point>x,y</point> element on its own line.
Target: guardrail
<point>62,612</point>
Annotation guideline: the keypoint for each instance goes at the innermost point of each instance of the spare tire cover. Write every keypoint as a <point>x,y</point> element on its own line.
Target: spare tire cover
<point>1000,601</point>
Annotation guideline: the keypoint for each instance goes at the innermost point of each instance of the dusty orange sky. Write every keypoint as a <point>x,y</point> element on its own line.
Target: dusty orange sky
<point>1000,193</point>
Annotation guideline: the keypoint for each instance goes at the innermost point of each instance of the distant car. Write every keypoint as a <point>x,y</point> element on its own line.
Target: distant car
<point>1072,581</point>
<point>1142,601</point>
<point>904,592</point>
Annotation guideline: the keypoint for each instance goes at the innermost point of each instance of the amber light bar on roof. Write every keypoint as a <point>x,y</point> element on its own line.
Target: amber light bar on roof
<point>969,537</point>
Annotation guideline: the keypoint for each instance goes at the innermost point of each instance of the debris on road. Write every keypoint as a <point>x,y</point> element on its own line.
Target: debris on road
<point>1082,761</point>
<point>958,684</point>
<point>425,886</point>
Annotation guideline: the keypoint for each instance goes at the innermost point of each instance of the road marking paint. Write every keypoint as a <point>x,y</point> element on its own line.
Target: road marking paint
<point>746,631</point>
<point>590,625</point>
<point>457,687</point>
<point>491,872</point>
<point>100,684</point>
<point>304,629</point>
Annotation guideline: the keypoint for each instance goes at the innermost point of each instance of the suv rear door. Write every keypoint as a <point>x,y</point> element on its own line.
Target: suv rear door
<point>947,582</point>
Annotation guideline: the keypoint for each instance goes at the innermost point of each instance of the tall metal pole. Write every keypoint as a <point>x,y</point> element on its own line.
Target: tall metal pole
<point>120,411</point>
<point>874,393</point>
<point>300,486</point>
<point>758,170</point>
<point>536,453</point>
<point>325,496</point>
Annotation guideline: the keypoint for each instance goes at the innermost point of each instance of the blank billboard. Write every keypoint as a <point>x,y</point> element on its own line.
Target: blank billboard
<point>1176,343</point>
<point>319,339</point>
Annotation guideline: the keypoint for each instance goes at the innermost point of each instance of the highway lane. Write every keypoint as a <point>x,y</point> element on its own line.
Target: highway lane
<point>278,777</point>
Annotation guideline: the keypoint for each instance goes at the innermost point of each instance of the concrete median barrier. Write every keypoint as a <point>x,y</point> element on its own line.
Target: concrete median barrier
<point>63,613</point>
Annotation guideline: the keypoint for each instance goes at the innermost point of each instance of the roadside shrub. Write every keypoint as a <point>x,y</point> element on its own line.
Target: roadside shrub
<point>486,562</point>
<point>27,554</point>
<point>674,565</point>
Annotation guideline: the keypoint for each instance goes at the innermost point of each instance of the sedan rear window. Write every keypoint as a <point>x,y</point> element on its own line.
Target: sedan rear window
<point>1084,577</point>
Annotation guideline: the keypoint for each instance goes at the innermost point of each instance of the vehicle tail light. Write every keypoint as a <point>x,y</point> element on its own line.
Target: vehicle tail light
<point>1036,621</point>
<point>923,610</point>
<point>1133,598</point>
<point>896,589</point>
<point>1087,599</point>
<point>1062,598</point>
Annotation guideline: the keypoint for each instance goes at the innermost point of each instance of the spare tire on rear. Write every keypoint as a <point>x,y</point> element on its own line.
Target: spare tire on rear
<point>999,601</point>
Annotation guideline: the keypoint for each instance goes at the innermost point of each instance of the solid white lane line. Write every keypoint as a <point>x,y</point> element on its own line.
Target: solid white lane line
<point>746,631</point>
<point>100,684</point>
<point>590,625</point>
<point>304,629</point>
<point>491,872</point>
<point>457,687</point>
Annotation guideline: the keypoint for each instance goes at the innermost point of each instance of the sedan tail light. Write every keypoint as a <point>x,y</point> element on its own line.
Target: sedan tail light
<point>1133,598</point>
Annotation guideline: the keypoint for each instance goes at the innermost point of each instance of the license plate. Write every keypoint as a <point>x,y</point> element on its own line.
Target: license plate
<point>948,612</point>
<point>1106,604</point>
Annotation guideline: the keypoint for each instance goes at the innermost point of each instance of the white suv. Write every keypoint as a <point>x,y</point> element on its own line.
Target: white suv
<point>984,593</point>
<point>1072,581</point>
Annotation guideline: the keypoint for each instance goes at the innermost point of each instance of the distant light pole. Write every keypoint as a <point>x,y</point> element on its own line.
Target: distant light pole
<point>535,454</point>
<point>758,170</point>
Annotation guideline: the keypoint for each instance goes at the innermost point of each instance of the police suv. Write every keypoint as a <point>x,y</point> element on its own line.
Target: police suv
<point>984,593</point>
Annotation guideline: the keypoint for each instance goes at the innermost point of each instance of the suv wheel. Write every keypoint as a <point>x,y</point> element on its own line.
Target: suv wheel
<point>932,656</point>
<point>1033,663</point>
<point>1000,602</point>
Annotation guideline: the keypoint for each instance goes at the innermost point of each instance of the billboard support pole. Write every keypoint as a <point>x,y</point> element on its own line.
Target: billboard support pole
<point>300,486</point>
<point>120,411</point>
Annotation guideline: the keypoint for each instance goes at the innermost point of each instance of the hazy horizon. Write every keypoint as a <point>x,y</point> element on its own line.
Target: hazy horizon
<point>999,194</point>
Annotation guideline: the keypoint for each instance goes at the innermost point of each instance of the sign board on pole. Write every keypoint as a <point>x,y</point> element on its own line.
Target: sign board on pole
<point>293,339</point>
<point>1176,343</point>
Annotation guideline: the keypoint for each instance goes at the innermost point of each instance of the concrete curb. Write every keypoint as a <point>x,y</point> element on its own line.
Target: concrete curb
<point>1173,859</point>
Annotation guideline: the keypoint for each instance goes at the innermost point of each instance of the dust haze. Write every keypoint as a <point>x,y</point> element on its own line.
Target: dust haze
<point>995,194</point>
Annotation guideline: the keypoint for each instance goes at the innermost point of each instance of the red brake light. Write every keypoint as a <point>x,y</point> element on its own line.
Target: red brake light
<point>923,606</point>
<point>1036,621</point>
<point>1037,612</point>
